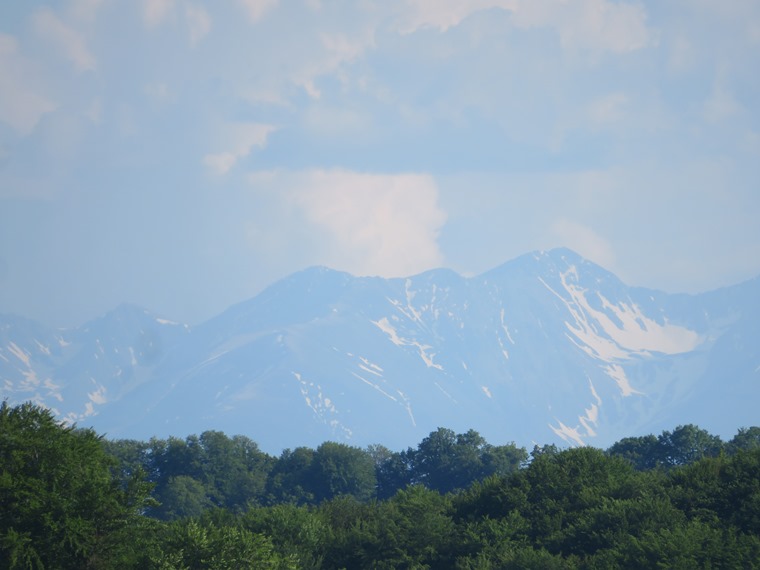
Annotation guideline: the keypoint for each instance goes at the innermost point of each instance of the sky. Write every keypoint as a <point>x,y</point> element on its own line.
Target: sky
<point>184,155</point>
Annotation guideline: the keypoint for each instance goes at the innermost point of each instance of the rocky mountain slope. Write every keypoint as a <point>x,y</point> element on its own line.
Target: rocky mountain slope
<point>546,348</point>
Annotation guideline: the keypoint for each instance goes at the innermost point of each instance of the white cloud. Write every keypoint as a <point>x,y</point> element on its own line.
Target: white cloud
<point>721,105</point>
<point>156,11</point>
<point>585,241</point>
<point>21,103</point>
<point>95,111</point>
<point>84,10</point>
<point>597,25</point>
<point>609,109</point>
<point>335,51</point>
<point>239,138</point>
<point>444,14</point>
<point>376,224</point>
<point>198,23</point>
<point>308,86</point>
<point>256,9</point>
<point>683,56</point>
<point>159,92</point>
<point>69,41</point>
<point>221,162</point>
<point>337,121</point>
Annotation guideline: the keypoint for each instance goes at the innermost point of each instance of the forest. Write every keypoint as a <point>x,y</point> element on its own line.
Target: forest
<point>71,498</point>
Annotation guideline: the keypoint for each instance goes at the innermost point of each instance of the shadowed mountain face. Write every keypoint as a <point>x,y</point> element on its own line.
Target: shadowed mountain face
<point>545,348</point>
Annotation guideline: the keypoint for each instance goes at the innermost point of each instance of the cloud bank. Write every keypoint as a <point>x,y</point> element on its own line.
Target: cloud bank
<point>384,225</point>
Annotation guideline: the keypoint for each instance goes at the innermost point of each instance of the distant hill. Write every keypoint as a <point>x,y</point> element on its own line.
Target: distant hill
<point>547,347</point>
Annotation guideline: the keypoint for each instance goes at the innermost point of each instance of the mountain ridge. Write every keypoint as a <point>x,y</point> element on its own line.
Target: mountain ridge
<point>545,347</point>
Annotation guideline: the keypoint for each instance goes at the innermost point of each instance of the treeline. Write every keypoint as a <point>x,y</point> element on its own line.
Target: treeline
<point>70,499</point>
<point>213,470</point>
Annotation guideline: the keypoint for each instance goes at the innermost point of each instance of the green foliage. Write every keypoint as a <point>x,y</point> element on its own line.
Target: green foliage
<point>684,445</point>
<point>393,472</point>
<point>641,452</point>
<point>62,507</point>
<point>411,530</point>
<point>339,469</point>
<point>582,508</point>
<point>71,500</point>
<point>197,473</point>
<point>445,461</point>
<point>233,469</point>
<point>183,496</point>
<point>687,444</point>
<point>188,545</point>
<point>298,533</point>
<point>746,439</point>
<point>290,478</point>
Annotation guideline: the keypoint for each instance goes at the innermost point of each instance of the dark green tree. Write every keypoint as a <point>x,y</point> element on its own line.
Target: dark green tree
<point>234,470</point>
<point>182,496</point>
<point>298,533</point>
<point>641,452</point>
<point>445,461</point>
<point>745,439</point>
<point>686,444</point>
<point>339,469</point>
<point>62,505</point>
<point>290,478</point>
<point>393,471</point>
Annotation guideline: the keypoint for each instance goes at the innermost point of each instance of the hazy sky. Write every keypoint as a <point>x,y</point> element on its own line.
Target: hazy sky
<point>183,155</point>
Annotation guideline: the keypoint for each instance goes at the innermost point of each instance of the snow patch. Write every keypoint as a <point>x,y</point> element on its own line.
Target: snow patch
<point>427,358</point>
<point>445,393</point>
<point>505,328</point>
<point>319,403</point>
<point>375,386</point>
<point>570,435</point>
<point>368,366</point>
<point>591,416</point>
<point>53,389</point>
<point>30,382</point>
<point>630,332</point>
<point>592,412</point>
<point>18,353</point>
<point>617,373</point>
<point>366,369</point>
<point>98,396</point>
<point>593,393</point>
<point>407,406</point>
<point>416,316</point>
<point>388,329</point>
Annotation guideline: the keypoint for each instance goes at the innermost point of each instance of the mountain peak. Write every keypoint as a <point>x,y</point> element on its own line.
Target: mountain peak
<point>546,347</point>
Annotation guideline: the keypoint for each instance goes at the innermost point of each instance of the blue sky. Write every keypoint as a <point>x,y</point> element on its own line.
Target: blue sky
<point>183,155</point>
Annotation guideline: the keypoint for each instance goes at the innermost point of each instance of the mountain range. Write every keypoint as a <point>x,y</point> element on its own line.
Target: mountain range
<point>546,348</point>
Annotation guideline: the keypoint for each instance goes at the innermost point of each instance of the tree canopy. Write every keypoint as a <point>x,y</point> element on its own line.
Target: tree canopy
<point>70,499</point>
